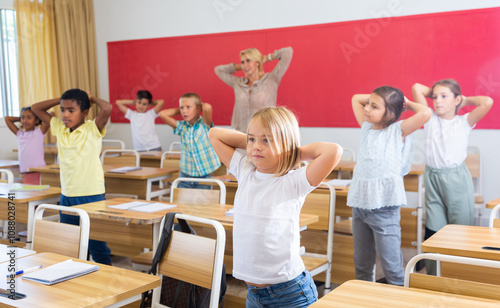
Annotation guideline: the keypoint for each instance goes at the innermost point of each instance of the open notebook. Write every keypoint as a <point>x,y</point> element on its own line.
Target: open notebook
<point>21,187</point>
<point>124,170</point>
<point>145,207</point>
<point>61,271</point>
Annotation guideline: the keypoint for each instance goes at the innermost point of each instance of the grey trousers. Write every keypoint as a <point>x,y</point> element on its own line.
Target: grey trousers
<point>378,232</point>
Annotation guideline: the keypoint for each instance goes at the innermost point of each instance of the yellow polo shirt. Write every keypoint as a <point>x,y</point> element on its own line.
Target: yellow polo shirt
<point>80,167</point>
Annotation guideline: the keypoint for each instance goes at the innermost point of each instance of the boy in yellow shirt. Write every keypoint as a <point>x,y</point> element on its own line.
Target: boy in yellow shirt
<point>79,145</point>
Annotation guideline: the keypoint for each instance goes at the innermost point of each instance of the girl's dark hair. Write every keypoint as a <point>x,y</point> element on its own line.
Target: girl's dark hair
<point>144,94</point>
<point>37,119</point>
<point>79,96</point>
<point>394,101</point>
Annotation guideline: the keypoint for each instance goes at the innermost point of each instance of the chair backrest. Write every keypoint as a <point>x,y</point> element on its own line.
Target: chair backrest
<point>351,155</point>
<point>348,155</point>
<point>129,158</point>
<point>175,146</point>
<point>7,173</point>
<point>311,206</point>
<point>494,217</point>
<point>194,259</point>
<point>474,163</point>
<point>198,196</point>
<point>65,239</point>
<point>116,143</point>
<point>452,285</point>
<point>170,162</point>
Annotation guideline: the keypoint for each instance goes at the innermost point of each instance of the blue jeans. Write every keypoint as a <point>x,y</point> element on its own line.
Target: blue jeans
<point>193,185</point>
<point>98,249</point>
<point>378,232</point>
<point>298,292</point>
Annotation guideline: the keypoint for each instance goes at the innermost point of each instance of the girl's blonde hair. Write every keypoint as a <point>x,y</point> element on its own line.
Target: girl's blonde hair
<point>283,128</point>
<point>254,55</point>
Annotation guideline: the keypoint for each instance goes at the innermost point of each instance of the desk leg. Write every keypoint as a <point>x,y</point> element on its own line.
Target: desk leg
<point>149,187</point>
<point>126,301</point>
<point>420,209</point>
<point>31,216</point>
<point>156,236</point>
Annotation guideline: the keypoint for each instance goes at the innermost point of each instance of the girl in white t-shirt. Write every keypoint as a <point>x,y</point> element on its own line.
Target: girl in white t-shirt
<point>142,120</point>
<point>449,191</point>
<point>270,195</point>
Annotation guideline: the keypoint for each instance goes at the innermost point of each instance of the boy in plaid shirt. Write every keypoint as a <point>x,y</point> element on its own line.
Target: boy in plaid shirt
<point>198,158</point>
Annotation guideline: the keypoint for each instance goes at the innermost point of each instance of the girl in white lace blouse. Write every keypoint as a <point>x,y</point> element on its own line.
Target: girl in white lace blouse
<point>377,189</point>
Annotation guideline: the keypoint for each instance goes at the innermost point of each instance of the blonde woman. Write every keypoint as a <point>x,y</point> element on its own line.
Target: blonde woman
<point>257,89</point>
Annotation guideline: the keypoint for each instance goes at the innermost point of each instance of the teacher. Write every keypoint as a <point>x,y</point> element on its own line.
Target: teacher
<point>257,89</point>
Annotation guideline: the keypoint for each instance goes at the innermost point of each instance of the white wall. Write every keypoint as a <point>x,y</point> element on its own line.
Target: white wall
<point>130,19</point>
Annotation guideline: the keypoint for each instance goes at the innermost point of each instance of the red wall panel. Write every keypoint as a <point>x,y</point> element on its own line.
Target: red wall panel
<point>331,62</point>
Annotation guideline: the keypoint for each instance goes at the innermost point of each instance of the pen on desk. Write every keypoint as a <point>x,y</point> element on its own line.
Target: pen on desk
<point>29,270</point>
<point>491,248</point>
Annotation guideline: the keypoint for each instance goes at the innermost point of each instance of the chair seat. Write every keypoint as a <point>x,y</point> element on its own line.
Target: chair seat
<point>312,263</point>
<point>343,227</point>
<point>144,258</point>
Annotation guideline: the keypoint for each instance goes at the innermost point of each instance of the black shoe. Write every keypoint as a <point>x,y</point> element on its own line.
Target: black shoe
<point>382,280</point>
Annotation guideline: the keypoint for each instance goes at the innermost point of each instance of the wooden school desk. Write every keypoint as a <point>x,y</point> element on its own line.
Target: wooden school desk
<point>491,204</point>
<point>138,182</point>
<point>466,241</point>
<point>50,150</point>
<point>25,203</point>
<point>8,164</point>
<point>314,238</point>
<point>153,158</point>
<point>411,218</point>
<point>141,230</point>
<point>19,253</point>
<point>357,293</point>
<point>108,287</point>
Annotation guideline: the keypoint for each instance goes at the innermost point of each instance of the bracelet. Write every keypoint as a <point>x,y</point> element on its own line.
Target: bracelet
<point>269,57</point>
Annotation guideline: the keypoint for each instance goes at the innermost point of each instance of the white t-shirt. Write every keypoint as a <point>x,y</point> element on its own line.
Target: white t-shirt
<point>266,238</point>
<point>144,135</point>
<point>446,141</point>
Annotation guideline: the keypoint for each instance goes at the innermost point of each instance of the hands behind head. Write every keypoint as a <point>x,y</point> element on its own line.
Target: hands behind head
<point>90,96</point>
<point>405,104</point>
<point>462,102</point>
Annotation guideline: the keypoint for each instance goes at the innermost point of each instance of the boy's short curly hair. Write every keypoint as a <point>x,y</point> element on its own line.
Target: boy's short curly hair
<point>79,96</point>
